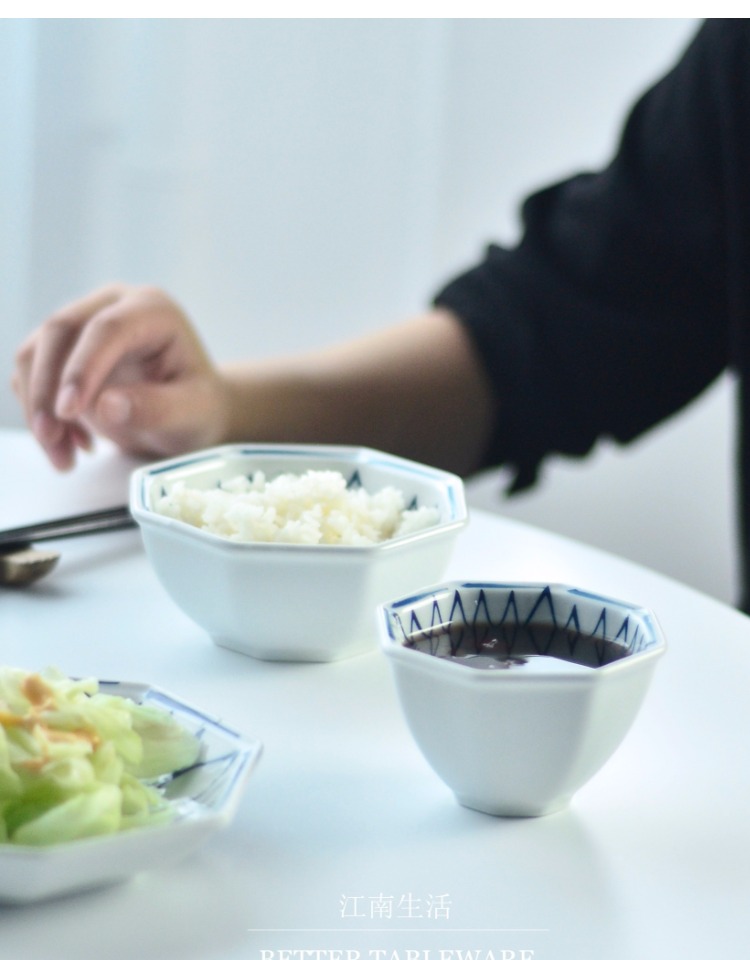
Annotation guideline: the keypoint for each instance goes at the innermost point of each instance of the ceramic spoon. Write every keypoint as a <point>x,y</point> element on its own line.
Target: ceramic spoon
<point>20,563</point>
<point>18,567</point>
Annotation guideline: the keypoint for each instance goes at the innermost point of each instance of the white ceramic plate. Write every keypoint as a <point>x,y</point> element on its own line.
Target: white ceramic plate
<point>206,798</point>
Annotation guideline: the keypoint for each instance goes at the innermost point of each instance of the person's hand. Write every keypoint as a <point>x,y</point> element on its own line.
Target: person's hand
<point>123,362</point>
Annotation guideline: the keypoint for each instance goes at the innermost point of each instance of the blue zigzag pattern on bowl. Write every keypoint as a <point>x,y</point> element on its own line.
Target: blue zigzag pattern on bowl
<point>448,612</point>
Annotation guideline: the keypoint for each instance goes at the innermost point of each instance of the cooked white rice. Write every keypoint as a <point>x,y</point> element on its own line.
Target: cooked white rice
<point>309,508</point>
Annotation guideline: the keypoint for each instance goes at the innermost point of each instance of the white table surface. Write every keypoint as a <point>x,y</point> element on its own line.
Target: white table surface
<point>346,840</point>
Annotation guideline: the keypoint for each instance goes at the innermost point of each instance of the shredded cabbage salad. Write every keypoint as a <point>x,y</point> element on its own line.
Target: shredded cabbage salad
<point>75,762</point>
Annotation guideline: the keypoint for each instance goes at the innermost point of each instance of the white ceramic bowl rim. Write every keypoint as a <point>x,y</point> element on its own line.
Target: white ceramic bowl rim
<point>339,456</point>
<point>639,630</point>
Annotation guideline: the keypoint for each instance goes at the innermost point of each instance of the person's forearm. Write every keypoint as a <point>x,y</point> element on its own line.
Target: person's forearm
<point>417,390</point>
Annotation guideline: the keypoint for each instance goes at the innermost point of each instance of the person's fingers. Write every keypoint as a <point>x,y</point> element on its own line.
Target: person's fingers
<point>44,355</point>
<point>39,361</point>
<point>124,362</point>
<point>127,340</point>
<point>56,439</point>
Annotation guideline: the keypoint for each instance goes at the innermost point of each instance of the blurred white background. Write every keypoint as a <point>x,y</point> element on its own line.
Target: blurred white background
<point>293,182</point>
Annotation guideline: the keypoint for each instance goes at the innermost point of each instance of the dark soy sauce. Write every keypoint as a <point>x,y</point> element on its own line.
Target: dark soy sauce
<point>536,647</point>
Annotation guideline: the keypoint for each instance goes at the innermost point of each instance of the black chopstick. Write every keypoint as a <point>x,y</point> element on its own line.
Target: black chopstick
<point>115,518</point>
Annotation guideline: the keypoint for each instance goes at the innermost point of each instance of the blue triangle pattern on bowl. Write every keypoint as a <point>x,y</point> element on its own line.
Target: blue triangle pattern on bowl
<point>478,606</point>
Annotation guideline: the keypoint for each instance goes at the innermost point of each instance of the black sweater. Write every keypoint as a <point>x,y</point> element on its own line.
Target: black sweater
<point>629,292</point>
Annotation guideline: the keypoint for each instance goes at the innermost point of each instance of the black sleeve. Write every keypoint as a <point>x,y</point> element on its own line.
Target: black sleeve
<point>613,311</point>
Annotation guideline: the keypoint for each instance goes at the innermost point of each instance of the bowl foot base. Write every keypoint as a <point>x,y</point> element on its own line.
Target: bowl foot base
<point>514,810</point>
<point>302,655</point>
